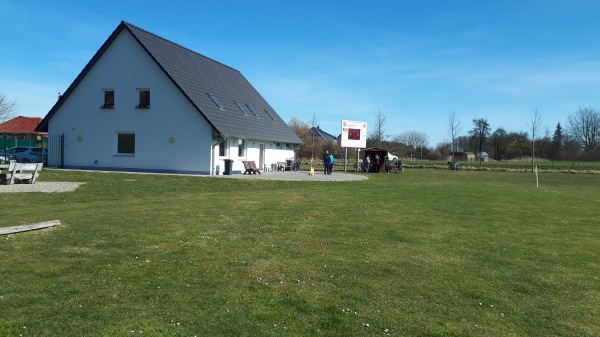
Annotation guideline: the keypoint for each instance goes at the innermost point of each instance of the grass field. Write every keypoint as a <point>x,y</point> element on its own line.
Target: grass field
<point>424,253</point>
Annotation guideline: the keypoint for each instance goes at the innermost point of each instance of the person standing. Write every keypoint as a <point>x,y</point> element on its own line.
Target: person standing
<point>366,163</point>
<point>330,163</point>
<point>325,162</point>
<point>376,163</point>
<point>388,163</point>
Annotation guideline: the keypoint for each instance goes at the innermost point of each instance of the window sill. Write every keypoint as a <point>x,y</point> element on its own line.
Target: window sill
<point>124,155</point>
<point>142,107</point>
<point>107,106</point>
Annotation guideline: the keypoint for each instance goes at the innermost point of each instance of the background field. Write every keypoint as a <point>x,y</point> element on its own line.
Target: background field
<point>424,253</point>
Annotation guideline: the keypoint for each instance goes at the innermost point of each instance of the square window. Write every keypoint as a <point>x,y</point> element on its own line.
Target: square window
<point>109,99</point>
<point>144,102</point>
<point>126,143</point>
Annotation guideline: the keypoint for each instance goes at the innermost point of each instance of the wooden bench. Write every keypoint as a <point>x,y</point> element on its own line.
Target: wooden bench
<point>250,167</point>
<point>22,173</point>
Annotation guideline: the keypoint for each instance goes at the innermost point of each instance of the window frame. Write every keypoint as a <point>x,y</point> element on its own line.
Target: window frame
<point>252,110</point>
<point>142,100</point>
<point>121,147</point>
<point>107,104</point>
<point>269,114</point>
<point>216,101</point>
<point>239,105</point>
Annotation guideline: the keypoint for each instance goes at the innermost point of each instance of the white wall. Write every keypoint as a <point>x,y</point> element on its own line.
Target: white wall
<point>171,135</point>
<point>273,153</point>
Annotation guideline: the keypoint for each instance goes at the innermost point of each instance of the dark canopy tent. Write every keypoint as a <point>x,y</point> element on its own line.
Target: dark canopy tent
<point>371,152</point>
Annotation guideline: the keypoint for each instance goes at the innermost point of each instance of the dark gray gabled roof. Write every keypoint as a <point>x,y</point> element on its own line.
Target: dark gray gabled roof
<point>326,136</point>
<point>198,76</point>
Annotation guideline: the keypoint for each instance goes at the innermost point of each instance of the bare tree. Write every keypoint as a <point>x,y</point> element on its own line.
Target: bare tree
<point>534,125</point>
<point>453,130</point>
<point>377,135</point>
<point>584,125</point>
<point>8,108</point>
<point>414,140</point>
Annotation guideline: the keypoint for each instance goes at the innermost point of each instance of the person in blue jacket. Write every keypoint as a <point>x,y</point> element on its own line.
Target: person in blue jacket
<point>330,163</point>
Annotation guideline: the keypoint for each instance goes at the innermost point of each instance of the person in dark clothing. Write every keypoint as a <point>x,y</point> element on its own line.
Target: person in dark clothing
<point>376,163</point>
<point>326,162</point>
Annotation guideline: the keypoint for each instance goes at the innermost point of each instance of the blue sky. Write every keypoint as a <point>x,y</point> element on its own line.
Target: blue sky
<point>416,61</point>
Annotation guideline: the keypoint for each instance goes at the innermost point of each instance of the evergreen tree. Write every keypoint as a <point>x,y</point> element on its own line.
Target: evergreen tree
<point>557,141</point>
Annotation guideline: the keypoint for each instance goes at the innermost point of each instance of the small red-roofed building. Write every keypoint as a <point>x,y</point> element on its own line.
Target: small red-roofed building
<point>20,131</point>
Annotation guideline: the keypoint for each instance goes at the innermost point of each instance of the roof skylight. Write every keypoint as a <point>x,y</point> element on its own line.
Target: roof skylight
<point>241,107</point>
<point>216,102</point>
<point>252,109</point>
<point>269,114</point>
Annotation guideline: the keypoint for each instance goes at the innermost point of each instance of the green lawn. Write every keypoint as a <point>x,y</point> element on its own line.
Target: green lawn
<point>424,253</point>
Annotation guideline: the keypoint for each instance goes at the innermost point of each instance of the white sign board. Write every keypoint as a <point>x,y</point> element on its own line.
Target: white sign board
<point>354,134</point>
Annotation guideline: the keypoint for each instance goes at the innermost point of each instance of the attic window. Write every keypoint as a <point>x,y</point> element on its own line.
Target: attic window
<point>109,99</point>
<point>270,115</point>
<point>241,107</point>
<point>216,101</point>
<point>144,102</point>
<point>252,109</point>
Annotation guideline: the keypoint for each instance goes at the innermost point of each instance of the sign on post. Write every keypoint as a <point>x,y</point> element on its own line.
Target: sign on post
<point>354,134</point>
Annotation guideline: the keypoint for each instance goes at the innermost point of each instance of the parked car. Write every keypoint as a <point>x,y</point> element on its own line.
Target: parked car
<point>26,154</point>
<point>3,157</point>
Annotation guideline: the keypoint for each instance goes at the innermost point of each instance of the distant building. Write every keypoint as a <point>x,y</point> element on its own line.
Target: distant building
<point>464,156</point>
<point>21,131</point>
<point>322,136</point>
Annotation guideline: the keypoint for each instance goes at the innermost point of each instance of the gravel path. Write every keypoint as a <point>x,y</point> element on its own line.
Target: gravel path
<point>40,186</point>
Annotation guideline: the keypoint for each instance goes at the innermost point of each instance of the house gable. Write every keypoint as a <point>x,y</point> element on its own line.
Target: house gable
<point>168,135</point>
<point>198,77</point>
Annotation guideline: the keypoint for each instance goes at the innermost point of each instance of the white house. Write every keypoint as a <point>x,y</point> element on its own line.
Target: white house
<point>144,103</point>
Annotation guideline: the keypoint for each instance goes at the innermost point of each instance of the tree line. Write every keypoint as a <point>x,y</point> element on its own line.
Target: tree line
<point>578,140</point>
